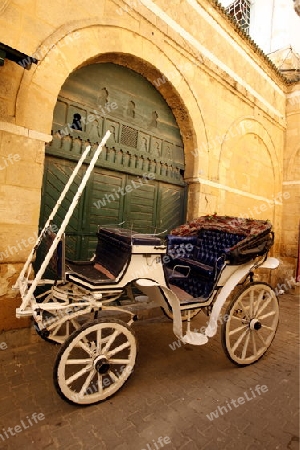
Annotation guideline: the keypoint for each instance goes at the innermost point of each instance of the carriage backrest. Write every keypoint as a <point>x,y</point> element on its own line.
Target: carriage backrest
<point>212,244</point>
<point>115,245</point>
<point>206,247</point>
<point>112,253</point>
<point>181,246</point>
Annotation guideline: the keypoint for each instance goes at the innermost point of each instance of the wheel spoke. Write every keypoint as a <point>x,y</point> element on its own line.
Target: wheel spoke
<point>77,375</point>
<point>269,314</point>
<point>267,302</point>
<point>245,346</point>
<point>245,309</point>
<point>75,324</point>
<point>113,376</point>
<point>67,328</point>
<point>235,317</point>
<point>99,340</point>
<point>238,329</point>
<point>261,338</point>
<point>54,332</point>
<point>239,340</point>
<point>84,347</point>
<point>110,340</point>
<point>79,361</point>
<point>87,382</point>
<point>269,328</point>
<point>251,303</point>
<point>118,349</point>
<point>259,299</point>
<point>254,344</point>
<point>100,385</point>
<point>119,361</point>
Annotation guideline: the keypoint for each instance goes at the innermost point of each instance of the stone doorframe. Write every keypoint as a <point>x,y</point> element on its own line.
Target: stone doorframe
<point>81,44</point>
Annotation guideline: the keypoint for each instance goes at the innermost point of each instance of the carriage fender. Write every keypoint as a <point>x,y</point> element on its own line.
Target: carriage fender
<point>228,287</point>
<point>156,290</point>
<point>270,263</point>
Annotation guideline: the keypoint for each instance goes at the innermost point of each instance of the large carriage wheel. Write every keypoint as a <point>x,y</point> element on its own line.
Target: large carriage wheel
<point>252,319</point>
<point>95,361</point>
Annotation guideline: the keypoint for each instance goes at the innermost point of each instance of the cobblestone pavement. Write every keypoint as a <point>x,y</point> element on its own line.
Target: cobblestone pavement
<point>169,396</point>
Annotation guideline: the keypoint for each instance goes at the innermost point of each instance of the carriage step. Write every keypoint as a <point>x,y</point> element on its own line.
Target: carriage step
<point>195,338</point>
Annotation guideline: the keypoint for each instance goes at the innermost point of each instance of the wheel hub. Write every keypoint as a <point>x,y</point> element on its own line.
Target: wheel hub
<point>255,324</point>
<point>102,365</point>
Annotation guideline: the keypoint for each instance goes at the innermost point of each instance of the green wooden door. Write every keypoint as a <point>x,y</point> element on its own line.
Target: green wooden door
<point>138,178</point>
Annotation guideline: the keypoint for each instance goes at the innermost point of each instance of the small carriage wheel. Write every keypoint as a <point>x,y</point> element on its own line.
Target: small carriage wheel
<point>95,361</point>
<point>252,320</point>
<point>59,333</point>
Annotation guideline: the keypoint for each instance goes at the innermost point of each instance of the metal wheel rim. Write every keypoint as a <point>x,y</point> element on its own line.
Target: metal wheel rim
<point>78,379</point>
<point>252,323</point>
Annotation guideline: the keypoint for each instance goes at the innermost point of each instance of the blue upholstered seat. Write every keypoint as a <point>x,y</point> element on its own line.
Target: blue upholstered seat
<point>204,255</point>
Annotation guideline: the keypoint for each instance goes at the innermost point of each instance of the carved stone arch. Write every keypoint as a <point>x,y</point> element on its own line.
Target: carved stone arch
<point>71,48</point>
<point>293,166</point>
<point>242,129</point>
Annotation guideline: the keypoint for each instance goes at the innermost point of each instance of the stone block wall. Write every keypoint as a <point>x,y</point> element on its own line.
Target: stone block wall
<point>291,183</point>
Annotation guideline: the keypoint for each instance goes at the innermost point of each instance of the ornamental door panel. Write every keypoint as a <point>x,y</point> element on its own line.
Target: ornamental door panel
<point>138,179</point>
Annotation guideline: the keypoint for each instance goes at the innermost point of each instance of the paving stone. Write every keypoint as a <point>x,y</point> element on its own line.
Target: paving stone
<point>170,394</point>
<point>189,445</point>
<point>78,446</point>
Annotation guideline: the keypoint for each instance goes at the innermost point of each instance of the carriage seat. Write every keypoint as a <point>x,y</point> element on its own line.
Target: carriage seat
<point>204,254</point>
<point>114,248</point>
<point>112,254</point>
<point>194,263</point>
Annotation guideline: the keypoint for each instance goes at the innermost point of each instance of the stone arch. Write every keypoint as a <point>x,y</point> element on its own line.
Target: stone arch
<point>80,44</point>
<point>240,129</point>
<point>293,166</point>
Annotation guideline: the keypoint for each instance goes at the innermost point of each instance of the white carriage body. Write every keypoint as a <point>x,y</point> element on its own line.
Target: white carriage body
<point>197,267</point>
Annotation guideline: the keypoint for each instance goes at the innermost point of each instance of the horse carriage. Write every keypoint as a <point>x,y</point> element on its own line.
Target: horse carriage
<point>195,267</point>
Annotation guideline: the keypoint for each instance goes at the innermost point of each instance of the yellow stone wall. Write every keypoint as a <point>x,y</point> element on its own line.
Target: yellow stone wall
<point>230,104</point>
<point>291,184</point>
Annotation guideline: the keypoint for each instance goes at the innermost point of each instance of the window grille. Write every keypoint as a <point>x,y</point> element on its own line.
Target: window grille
<point>129,136</point>
<point>240,11</point>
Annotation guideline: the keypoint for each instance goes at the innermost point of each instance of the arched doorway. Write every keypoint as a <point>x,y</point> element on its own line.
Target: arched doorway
<point>138,179</point>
